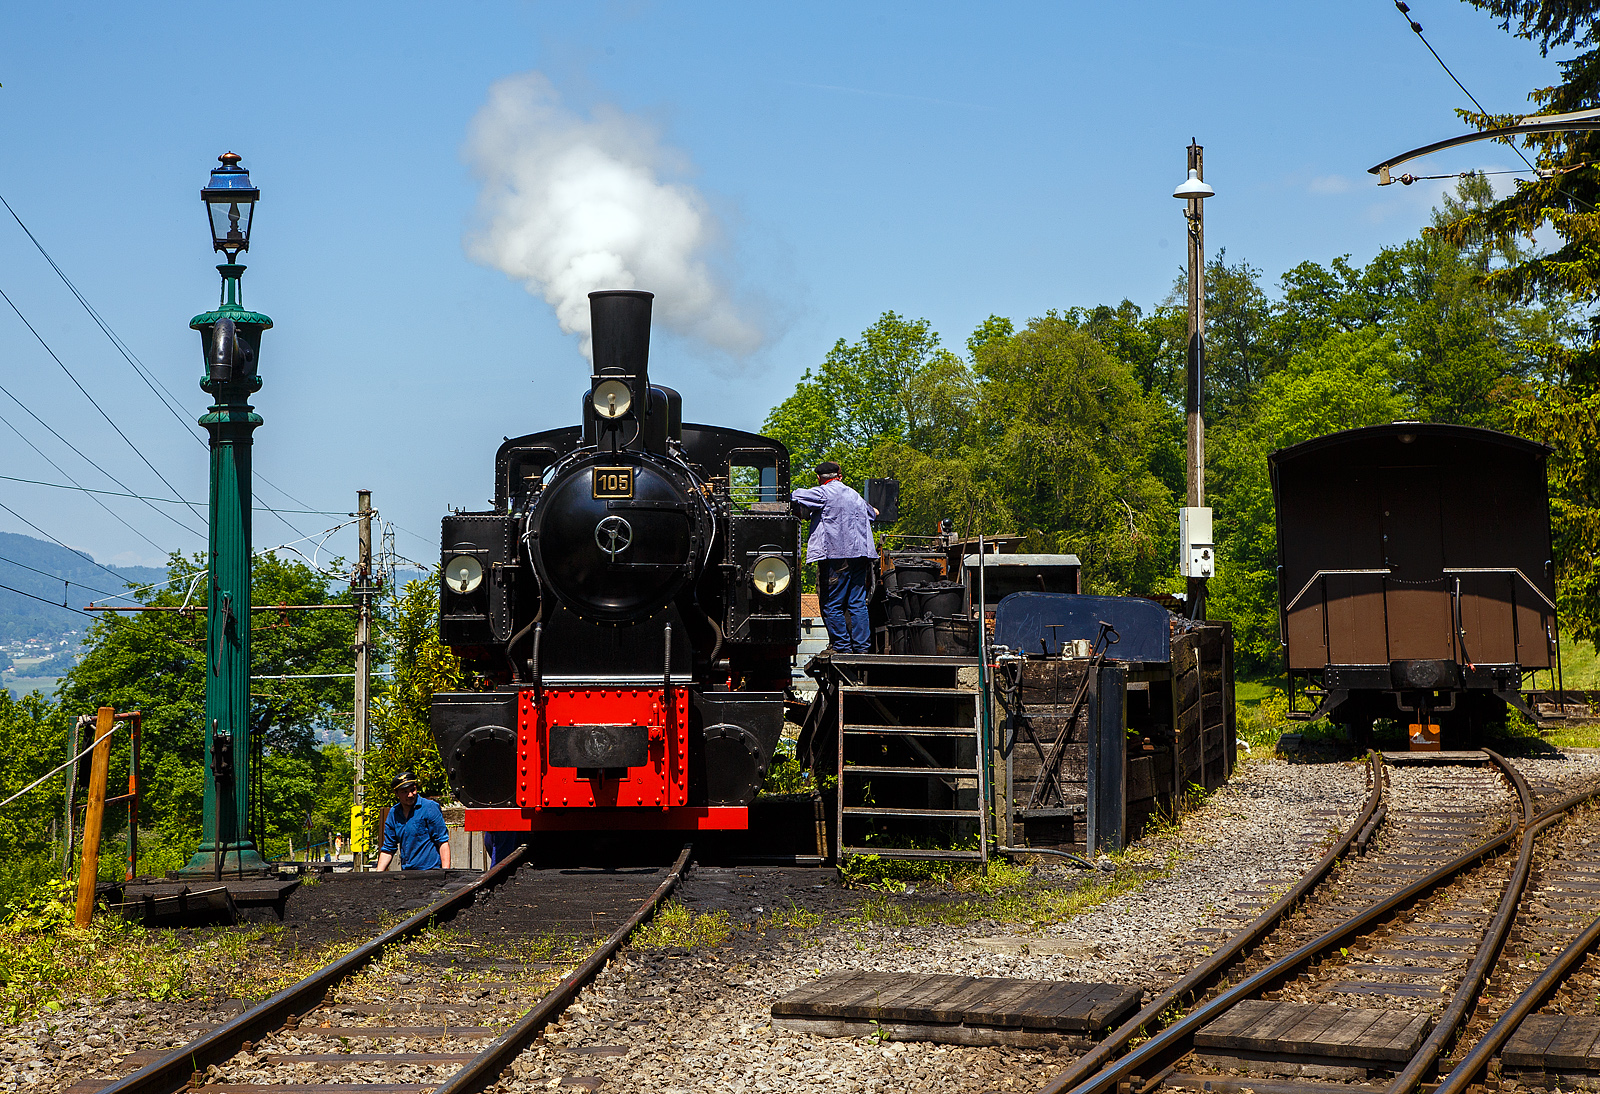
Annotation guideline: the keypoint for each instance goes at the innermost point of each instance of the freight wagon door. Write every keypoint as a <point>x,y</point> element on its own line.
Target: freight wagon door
<point>1416,591</point>
<point>1500,524</point>
<point>1356,633</point>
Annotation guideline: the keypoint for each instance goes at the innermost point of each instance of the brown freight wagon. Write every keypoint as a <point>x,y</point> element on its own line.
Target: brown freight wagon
<point>1415,579</point>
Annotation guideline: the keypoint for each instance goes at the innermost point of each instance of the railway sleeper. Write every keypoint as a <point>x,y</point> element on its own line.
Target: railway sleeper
<point>1311,1040</point>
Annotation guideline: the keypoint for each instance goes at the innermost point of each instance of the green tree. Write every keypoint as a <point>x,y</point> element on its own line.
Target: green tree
<point>1067,432</point>
<point>423,665</point>
<point>894,383</point>
<point>154,662</point>
<point>1346,382</point>
<point>33,740</point>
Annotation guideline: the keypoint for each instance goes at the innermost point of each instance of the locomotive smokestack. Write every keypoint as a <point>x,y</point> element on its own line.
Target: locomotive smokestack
<point>619,326</point>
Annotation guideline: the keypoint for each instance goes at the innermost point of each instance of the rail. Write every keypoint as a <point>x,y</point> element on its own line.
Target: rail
<point>1209,971</point>
<point>1312,580</point>
<point>1157,1055</point>
<point>172,1072</point>
<point>1503,570</point>
<point>489,1064</point>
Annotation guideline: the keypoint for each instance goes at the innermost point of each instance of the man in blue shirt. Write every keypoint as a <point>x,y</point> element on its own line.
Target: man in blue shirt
<point>840,543</point>
<point>415,828</point>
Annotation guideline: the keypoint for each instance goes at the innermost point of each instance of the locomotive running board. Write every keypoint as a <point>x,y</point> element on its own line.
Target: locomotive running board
<point>697,818</point>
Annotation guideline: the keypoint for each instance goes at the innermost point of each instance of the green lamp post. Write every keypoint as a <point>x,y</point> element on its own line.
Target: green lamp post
<point>231,339</point>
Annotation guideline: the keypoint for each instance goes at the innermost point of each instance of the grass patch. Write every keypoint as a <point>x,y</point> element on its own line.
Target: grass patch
<point>45,961</point>
<point>1580,665</point>
<point>901,875</point>
<point>1033,905</point>
<point>675,925</point>
<point>793,919</point>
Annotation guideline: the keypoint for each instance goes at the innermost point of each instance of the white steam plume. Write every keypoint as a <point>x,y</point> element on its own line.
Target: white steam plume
<point>569,206</point>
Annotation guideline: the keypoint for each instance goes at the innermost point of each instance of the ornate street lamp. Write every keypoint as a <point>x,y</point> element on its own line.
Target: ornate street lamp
<point>230,339</point>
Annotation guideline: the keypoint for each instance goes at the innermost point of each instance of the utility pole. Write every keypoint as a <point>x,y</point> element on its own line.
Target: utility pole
<point>1194,397</point>
<point>1196,546</point>
<point>363,591</point>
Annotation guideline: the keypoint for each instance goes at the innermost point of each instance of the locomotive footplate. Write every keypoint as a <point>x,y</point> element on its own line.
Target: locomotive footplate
<point>588,747</point>
<point>679,818</point>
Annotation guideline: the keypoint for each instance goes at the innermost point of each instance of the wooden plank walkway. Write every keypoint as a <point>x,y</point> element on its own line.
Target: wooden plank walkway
<point>1555,1042</point>
<point>1050,1006</point>
<point>1298,1030</point>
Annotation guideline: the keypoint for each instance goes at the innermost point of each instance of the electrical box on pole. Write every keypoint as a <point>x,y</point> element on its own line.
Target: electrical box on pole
<point>1197,553</point>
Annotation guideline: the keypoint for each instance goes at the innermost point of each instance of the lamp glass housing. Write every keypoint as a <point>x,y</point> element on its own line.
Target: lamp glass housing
<point>1193,187</point>
<point>231,202</point>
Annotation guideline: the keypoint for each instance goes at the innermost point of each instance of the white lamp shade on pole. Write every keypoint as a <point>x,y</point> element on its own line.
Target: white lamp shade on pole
<point>1192,187</point>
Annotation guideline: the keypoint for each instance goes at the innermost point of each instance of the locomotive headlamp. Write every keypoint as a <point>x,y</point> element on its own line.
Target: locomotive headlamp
<point>771,575</point>
<point>231,200</point>
<point>463,574</point>
<point>611,398</point>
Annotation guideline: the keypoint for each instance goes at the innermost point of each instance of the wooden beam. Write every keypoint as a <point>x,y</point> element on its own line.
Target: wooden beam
<point>94,814</point>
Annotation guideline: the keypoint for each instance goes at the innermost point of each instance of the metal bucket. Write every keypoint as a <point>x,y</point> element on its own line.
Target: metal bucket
<point>936,599</point>
<point>920,635</point>
<point>894,605</point>
<point>914,573</point>
<point>955,637</point>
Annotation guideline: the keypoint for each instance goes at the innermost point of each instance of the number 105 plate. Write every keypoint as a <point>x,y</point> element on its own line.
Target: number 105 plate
<point>613,482</point>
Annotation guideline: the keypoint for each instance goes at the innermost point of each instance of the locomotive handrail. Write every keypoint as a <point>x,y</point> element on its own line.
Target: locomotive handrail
<point>1289,607</point>
<point>1502,570</point>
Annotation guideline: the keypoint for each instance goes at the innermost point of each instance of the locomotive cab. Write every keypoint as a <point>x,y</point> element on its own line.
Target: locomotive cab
<point>626,614</point>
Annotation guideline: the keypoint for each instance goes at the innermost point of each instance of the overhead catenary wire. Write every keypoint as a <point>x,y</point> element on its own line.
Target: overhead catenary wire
<point>58,577</point>
<point>82,455</point>
<point>56,541</point>
<point>142,497</point>
<point>92,401</point>
<point>42,600</point>
<point>1416,28</point>
<point>113,513</point>
<point>165,397</point>
<point>160,390</point>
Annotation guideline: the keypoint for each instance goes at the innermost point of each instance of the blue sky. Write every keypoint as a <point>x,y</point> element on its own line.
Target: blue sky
<point>935,159</point>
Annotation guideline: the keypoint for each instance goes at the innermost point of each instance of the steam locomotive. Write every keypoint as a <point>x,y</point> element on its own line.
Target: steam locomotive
<point>626,613</point>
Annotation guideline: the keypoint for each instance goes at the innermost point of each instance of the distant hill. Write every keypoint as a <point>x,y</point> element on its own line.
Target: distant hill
<point>22,618</point>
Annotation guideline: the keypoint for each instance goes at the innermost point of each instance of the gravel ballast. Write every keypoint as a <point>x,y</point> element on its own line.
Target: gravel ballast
<point>673,1021</point>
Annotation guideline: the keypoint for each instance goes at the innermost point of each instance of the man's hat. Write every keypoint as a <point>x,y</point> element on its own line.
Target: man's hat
<point>404,779</point>
<point>827,469</point>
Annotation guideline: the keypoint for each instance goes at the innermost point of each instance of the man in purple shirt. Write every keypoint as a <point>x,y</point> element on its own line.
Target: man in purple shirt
<point>841,545</point>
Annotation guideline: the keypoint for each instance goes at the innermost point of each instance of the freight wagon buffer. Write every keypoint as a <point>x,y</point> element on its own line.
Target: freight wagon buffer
<point>1415,578</point>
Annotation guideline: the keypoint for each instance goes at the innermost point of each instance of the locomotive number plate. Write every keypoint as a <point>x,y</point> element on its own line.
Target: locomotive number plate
<point>613,482</point>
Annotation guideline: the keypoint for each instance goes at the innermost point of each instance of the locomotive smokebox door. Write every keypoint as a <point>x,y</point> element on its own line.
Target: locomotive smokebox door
<point>477,738</point>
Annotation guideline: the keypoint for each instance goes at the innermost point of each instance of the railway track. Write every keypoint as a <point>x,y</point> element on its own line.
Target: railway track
<point>455,1029</point>
<point>1367,973</point>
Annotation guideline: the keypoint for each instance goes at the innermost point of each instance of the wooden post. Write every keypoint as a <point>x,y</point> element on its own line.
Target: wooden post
<point>94,813</point>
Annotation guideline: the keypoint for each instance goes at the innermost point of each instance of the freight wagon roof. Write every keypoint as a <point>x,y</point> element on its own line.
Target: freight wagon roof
<point>1355,439</point>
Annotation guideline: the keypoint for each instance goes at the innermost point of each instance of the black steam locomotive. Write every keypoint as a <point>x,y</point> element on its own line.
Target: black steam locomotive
<point>627,612</point>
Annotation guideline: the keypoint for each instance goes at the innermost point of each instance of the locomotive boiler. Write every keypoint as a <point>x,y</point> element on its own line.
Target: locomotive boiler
<point>625,614</point>
<point>1415,575</point>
